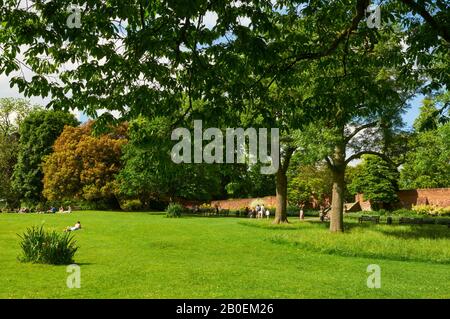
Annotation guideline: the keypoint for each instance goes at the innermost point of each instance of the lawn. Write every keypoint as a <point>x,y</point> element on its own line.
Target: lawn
<point>145,255</point>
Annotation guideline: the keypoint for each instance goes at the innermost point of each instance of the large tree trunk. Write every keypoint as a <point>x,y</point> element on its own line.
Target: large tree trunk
<point>337,200</point>
<point>281,186</point>
<point>281,208</point>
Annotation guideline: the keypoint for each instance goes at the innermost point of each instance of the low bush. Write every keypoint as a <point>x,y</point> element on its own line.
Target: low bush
<point>431,210</point>
<point>403,212</point>
<point>131,205</point>
<point>39,246</point>
<point>174,210</point>
<point>40,207</point>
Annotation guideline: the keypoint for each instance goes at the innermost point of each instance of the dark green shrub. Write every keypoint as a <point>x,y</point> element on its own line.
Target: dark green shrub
<point>382,212</point>
<point>131,205</point>
<point>403,212</point>
<point>40,207</point>
<point>311,213</point>
<point>39,246</point>
<point>174,210</point>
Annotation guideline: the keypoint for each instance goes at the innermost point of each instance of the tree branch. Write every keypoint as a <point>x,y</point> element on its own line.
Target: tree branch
<point>361,7</point>
<point>329,162</point>
<point>439,28</point>
<point>359,154</point>
<point>287,158</point>
<point>359,129</point>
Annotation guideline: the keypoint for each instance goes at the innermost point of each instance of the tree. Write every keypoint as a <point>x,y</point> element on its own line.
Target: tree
<point>244,181</point>
<point>38,131</point>
<point>308,181</point>
<point>430,117</point>
<point>12,112</point>
<point>377,180</point>
<point>150,175</point>
<point>83,167</point>
<point>427,163</point>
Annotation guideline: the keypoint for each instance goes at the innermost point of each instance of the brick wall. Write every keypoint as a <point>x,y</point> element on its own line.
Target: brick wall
<point>430,196</point>
<point>240,203</point>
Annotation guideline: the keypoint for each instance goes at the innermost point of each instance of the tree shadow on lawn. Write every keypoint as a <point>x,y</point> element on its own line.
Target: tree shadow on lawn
<point>399,231</point>
<point>418,231</point>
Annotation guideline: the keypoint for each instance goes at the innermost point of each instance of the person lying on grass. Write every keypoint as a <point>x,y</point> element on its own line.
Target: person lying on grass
<point>73,228</point>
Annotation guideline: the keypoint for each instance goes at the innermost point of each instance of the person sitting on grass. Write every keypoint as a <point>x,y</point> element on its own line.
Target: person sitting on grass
<point>52,210</point>
<point>73,228</point>
<point>61,209</point>
<point>69,210</point>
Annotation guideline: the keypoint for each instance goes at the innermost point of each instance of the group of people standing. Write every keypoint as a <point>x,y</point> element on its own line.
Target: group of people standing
<point>259,211</point>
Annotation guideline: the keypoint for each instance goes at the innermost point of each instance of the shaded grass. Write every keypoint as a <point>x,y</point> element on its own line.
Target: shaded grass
<point>425,243</point>
<point>139,255</point>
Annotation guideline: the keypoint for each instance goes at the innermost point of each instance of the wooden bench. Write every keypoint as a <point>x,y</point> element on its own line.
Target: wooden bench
<point>375,219</point>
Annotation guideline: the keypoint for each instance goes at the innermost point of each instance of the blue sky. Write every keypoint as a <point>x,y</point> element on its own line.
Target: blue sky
<point>413,111</point>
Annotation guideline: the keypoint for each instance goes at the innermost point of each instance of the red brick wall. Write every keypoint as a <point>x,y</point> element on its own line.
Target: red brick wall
<point>431,196</point>
<point>241,203</point>
<point>365,205</point>
<point>269,201</point>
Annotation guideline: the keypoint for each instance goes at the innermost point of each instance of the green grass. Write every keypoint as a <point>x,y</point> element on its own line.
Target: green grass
<point>425,243</point>
<point>140,255</point>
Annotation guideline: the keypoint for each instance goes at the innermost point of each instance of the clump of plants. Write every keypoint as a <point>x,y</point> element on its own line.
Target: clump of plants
<point>131,205</point>
<point>42,247</point>
<point>174,210</point>
<point>431,210</point>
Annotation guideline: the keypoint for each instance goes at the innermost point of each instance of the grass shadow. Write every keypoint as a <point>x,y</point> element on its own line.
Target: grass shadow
<point>418,231</point>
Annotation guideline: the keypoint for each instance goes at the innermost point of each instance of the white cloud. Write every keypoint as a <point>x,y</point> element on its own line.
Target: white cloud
<point>210,19</point>
<point>244,21</point>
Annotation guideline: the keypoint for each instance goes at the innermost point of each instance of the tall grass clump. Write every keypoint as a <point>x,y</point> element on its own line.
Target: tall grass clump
<point>41,247</point>
<point>174,210</point>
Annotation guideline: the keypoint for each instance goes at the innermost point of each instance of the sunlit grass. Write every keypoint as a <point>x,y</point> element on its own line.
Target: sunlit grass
<point>140,255</point>
<point>426,243</point>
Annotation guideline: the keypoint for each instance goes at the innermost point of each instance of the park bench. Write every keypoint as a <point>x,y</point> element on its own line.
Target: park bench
<point>375,219</point>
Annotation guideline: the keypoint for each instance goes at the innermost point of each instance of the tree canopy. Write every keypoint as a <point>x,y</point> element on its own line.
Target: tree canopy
<point>82,167</point>
<point>38,131</point>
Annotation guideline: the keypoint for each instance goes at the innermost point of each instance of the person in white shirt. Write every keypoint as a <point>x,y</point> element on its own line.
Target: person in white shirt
<point>76,227</point>
<point>262,211</point>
